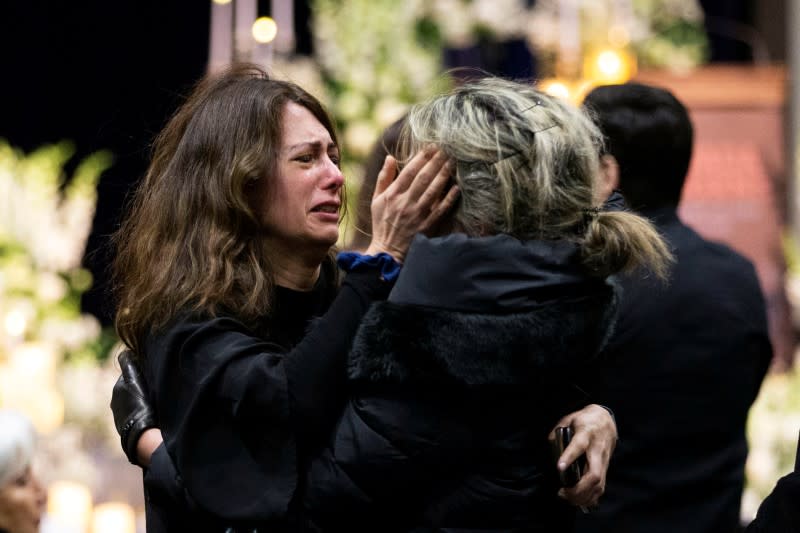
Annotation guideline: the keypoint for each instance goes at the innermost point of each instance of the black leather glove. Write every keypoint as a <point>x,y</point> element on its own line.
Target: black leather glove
<point>130,405</point>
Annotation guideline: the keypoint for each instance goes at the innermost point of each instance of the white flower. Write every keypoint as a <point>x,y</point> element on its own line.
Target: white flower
<point>505,19</point>
<point>454,22</point>
<point>87,410</point>
<point>750,504</point>
<point>71,334</point>
<point>761,467</point>
<point>62,456</point>
<point>18,316</point>
<point>689,10</point>
<point>34,363</point>
<point>352,105</point>
<point>50,287</point>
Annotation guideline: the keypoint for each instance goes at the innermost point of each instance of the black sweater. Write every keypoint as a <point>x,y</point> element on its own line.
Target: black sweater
<point>241,411</point>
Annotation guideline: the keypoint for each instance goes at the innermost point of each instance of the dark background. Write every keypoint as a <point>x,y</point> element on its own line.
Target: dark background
<point>107,74</point>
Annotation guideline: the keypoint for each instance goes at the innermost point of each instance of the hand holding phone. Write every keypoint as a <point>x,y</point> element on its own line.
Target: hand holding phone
<point>570,476</point>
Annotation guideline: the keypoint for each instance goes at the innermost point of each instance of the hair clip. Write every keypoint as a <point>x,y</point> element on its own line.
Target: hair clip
<point>519,152</point>
<point>536,103</point>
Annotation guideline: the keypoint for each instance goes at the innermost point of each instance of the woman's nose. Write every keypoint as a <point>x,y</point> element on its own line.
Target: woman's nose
<point>334,179</point>
<point>41,494</point>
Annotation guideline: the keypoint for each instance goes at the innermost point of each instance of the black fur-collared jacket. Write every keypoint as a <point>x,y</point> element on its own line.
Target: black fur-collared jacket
<point>456,380</point>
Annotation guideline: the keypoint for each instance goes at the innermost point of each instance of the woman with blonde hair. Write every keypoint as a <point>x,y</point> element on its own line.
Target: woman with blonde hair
<point>457,379</point>
<point>22,498</point>
<point>230,297</point>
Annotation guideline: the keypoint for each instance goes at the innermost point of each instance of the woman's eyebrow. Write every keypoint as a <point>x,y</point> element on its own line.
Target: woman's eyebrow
<point>317,145</point>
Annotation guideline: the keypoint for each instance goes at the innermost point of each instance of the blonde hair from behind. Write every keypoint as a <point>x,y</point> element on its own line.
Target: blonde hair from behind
<point>528,165</point>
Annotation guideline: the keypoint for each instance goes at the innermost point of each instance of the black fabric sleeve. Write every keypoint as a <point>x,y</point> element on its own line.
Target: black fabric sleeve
<point>315,368</point>
<point>235,409</point>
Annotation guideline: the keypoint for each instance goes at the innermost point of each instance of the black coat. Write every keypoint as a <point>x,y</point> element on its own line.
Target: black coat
<point>241,410</point>
<point>455,383</point>
<point>681,372</point>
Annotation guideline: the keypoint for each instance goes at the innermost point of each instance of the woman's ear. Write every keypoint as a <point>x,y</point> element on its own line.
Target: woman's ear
<point>609,176</point>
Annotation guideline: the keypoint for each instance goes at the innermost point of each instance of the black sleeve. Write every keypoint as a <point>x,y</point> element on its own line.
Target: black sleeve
<point>164,493</point>
<point>234,408</point>
<point>391,446</point>
<point>315,367</point>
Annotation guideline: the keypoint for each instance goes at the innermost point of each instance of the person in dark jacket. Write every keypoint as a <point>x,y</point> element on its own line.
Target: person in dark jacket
<point>229,297</point>
<point>457,379</point>
<point>687,360</point>
<point>222,262</point>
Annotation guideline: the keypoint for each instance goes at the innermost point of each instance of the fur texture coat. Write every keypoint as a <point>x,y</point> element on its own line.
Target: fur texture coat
<point>456,380</point>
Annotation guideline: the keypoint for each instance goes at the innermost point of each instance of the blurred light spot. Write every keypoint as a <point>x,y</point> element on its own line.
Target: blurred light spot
<point>264,30</point>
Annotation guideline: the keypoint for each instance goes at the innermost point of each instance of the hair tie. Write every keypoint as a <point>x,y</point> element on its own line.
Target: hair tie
<point>387,265</point>
<point>590,214</point>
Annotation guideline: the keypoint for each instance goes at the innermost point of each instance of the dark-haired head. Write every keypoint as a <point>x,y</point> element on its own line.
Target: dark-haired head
<point>194,236</point>
<point>649,133</point>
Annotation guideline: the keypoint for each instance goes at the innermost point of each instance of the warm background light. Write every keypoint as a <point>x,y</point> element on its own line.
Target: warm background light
<point>113,517</point>
<point>264,30</point>
<point>69,505</point>
<point>555,88</point>
<point>35,363</point>
<point>618,36</point>
<point>607,66</point>
<point>222,2</point>
<point>28,384</point>
<point>15,323</point>
<point>572,90</point>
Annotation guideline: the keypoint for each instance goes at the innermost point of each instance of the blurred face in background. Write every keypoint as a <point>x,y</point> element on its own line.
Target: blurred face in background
<point>22,502</point>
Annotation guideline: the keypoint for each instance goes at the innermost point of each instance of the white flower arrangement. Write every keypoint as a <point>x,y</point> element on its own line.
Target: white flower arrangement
<point>773,428</point>
<point>49,350</point>
<point>378,56</point>
<point>374,62</point>
<point>664,33</point>
<point>375,59</point>
<point>461,23</point>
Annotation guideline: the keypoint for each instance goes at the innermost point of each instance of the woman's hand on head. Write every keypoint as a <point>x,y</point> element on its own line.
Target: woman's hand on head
<point>595,434</point>
<point>410,202</point>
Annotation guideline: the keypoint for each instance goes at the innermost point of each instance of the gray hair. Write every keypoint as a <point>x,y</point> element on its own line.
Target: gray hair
<point>17,444</point>
<point>528,165</point>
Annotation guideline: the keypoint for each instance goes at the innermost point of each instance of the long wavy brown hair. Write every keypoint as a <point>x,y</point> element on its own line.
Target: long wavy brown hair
<point>192,240</point>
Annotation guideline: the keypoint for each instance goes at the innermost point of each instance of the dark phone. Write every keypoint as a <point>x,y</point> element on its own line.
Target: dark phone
<point>572,474</point>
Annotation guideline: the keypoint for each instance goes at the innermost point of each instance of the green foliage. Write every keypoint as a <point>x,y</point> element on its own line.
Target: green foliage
<point>45,220</point>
